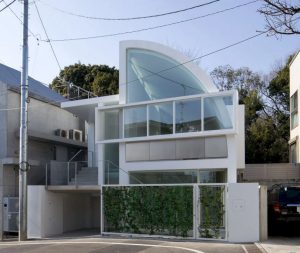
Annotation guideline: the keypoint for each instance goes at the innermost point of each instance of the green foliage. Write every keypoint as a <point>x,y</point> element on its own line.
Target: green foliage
<point>266,103</point>
<point>102,80</point>
<point>212,211</point>
<point>163,210</point>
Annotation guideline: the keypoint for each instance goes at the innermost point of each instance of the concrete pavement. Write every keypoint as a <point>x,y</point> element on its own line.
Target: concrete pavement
<point>281,245</point>
<point>109,245</point>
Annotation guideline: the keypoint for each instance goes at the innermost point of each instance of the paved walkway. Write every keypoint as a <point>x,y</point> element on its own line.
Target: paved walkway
<point>281,245</point>
<point>109,245</point>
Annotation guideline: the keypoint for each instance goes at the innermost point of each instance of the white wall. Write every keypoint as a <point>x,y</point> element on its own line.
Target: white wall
<point>294,86</point>
<point>243,212</point>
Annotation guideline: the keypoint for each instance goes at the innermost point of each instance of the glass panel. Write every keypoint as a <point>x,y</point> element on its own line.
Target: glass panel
<point>163,177</point>
<point>294,119</point>
<point>111,124</point>
<point>161,119</point>
<point>218,113</point>
<point>188,116</point>
<point>151,76</point>
<point>293,153</point>
<point>135,122</point>
<point>213,176</point>
<point>294,101</point>
<point>111,163</point>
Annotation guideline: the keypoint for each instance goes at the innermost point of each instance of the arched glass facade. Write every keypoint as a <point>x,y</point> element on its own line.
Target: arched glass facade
<point>151,76</point>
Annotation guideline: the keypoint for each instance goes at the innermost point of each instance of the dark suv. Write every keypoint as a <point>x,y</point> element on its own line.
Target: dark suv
<point>284,204</point>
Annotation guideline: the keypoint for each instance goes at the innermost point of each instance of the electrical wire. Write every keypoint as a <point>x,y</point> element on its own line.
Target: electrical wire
<point>7,5</point>
<point>34,35</point>
<point>149,28</point>
<point>44,28</point>
<point>131,18</point>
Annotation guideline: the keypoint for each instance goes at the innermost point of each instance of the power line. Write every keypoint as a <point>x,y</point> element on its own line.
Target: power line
<point>131,18</point>
<point>7,5</point>
<point>150,28</point>
<point>21,21</point>
<point>44,28</point>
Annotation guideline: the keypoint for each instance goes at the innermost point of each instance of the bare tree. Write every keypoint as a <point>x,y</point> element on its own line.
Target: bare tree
<point>282,16</point>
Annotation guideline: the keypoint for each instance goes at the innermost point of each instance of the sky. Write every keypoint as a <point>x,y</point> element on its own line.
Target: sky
<point>195,38</point>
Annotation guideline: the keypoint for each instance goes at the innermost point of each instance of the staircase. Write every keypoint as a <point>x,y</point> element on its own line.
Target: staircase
<point>86,176</point>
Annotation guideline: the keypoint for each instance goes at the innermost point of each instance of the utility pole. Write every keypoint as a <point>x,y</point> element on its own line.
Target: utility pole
<point>23,163</point>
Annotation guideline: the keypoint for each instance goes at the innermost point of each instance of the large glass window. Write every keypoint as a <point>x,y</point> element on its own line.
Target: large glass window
<point>110,119</point>
<point>163,177</point>
<point>151,76</point>
<point>178,177</point>
<point>111,163</point>
<point>294,110</point>
<point>218,113</point>
<point>188,116</point>
<point>161,119</point>
<point>293,152</point>
<point>135,122</point>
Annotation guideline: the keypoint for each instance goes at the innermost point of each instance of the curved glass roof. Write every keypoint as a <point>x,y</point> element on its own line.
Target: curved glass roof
<point>151,75</point>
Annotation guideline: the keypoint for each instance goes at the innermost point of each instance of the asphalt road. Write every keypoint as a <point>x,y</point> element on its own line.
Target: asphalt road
<point>108,245</point>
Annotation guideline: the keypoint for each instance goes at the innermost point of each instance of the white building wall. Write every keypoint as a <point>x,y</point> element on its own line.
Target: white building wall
<point>243,212</point>
<point>294,86</point>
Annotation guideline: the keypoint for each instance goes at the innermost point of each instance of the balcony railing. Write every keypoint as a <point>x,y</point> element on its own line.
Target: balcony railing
<point>70,173</point>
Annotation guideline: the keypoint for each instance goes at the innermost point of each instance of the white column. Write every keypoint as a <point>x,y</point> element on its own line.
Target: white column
<point>232,159</point>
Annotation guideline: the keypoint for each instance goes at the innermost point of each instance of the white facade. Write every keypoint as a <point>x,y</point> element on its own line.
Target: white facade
<point>294,108</point>
<point>169,120</point>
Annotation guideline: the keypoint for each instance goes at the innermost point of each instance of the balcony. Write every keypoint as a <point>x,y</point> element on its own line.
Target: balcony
<point>71,175</point>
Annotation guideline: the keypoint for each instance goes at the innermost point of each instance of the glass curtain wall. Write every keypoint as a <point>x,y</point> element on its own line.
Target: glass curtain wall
<point>179,177</point>
<point>188,116</point>
<point>135,124</point>
<point>151,75</point>
<point>218,113</point>
<point>161,119</point>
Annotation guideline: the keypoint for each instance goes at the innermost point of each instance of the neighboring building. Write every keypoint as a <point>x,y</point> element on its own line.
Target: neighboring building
<point>44,118</point>
<point>294,108</point>
<point>169,124</point>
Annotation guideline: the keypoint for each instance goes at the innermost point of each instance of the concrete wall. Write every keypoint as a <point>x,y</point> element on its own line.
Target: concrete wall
<point>3,117</point>
<point>52,213</point>
<point>272,172</point>
<point>42,118</point>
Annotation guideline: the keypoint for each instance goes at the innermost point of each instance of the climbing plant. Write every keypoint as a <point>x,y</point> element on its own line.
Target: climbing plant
<point>154,210</point>
<point>212,211</point>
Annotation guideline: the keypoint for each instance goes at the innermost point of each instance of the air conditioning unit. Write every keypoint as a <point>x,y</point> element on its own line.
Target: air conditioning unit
<point>75,134</point>
<point>10,214</point>
<point>62,133</point>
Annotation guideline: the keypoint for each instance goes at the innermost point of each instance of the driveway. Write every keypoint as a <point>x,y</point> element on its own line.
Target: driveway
<point>108,245</point>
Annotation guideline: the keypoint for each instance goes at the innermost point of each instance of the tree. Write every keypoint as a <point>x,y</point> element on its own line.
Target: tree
<point>101,80</point>
<point>282,16</point>
<point>266,100</point>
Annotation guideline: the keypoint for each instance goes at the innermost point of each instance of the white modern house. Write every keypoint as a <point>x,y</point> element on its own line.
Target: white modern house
<point>294,108</point>
<point>169,123</point>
